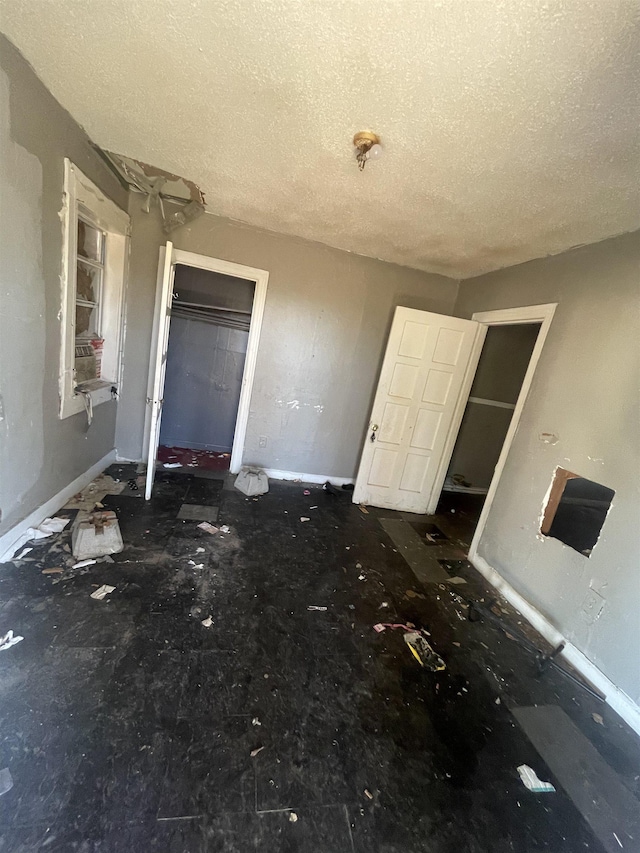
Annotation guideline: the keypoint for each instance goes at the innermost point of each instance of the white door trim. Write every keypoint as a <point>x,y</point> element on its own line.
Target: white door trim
<point>542,314</point>
<point>261,279</point>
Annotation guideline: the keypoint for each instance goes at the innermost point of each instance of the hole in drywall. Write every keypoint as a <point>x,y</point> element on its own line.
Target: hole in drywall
<point>576,511</point>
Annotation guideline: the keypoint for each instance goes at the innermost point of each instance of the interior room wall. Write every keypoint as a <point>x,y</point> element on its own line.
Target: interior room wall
<point>503,363</point>
<point>326,321</point>
<point>39,453</point>
<point>582,413</point>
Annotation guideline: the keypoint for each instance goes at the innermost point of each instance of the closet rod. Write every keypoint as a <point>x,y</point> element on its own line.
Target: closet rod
<point>182,304</point>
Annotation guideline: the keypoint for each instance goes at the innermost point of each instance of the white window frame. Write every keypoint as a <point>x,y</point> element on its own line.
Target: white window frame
<point>80,194</point>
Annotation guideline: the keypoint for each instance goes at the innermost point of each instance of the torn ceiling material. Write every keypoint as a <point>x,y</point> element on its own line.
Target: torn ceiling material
<point>158,186</point>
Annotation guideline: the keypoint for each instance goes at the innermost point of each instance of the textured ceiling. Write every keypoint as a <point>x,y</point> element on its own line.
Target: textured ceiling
<point>510,127</point>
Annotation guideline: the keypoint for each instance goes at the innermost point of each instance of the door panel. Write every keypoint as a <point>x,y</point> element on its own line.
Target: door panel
<point>426,369</point>
<point>164,294</point>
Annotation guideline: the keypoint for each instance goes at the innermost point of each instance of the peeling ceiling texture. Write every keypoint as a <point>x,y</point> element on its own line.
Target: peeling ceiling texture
<point>509,127</point>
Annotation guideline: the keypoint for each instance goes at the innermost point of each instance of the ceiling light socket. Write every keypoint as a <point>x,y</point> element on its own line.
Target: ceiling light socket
<point>367,147</point>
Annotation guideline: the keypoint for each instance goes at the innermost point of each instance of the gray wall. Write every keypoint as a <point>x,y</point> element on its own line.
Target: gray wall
<point>586,391</point>
<point>202,386</point>
<point>325,325</point>
<point>503,363</point>
<point>39,454</point>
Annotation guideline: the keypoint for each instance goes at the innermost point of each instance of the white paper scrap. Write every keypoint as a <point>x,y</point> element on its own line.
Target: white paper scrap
<point>172,465</point>
<point>83,563</point>
<point>225,529</point>
<point>6,782</point>
<point>9,640</point>
<point>531,781</point>
<point>103,590</point>
<point>304,518</point>
<point>208,622</point>
<point>48,527</point>
<point>52,525</point>
<point>208,528</point>
<point>316,607</point>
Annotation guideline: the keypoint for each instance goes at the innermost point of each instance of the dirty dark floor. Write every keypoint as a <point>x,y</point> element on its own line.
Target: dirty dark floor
<point>127,725</point>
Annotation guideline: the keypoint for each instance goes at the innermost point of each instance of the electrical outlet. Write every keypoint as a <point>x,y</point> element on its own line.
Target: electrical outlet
<point>263,441</point>
<point>592,606</point>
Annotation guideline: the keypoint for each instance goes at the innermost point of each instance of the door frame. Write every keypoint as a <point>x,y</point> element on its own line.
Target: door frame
<point>261,279</point>
<point>542,314</point>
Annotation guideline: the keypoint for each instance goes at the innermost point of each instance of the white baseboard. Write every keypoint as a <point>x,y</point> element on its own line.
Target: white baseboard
<point>321,479</point>
<point>10,541</point>
<point>615,698</point>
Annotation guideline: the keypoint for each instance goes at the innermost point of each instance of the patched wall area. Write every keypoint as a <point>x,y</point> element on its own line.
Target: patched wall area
<point>326,321</point>
<point>39,453</point>
<point>582,414</point>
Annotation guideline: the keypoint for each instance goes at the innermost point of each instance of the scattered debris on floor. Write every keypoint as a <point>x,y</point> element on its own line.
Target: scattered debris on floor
<point>6,782</point>
<point>316,607</point>
<point>255,751</point>
<point>368,794</point>
<point>252,482</point>
<point>293,817</point>
<point>531,781</point>
<point>95,492</point>
<point>256,722</point>
<point>363,509</point>
<point>23,553</point>
<point>208,528</point>
<point>47,528</point>
<point>96,534</point>
<point>208,622</point>
<point>172,465</point>
<point>330,489</point>
<point>382,626</point>
<point>410,593</point>
<point>55,571</point>
<point>9,640</point>
<point>423,652</point>
<point>225,528</point>
<point>306,492</point>
<point>102,591</point>
<point>597,718</point>
<point>304,518</point>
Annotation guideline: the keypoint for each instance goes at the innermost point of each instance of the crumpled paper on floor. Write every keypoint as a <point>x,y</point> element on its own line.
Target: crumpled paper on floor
<point>47,528</point>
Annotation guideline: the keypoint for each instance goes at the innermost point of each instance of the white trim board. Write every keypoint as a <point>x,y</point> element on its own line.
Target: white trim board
<point>276,474</point>
<point>615,698</point>
<point>261,279</point>
<point>7,540</point>
<point>542,314</point>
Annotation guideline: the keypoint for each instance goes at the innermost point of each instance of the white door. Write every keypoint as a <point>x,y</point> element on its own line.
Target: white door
<point>160,344</point>
<point>425,380</point>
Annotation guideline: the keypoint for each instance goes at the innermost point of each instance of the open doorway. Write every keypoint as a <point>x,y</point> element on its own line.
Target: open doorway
<point>210,378</point>
<point>208,339</point>
<point>502,367</point>
<point>519,369</point>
